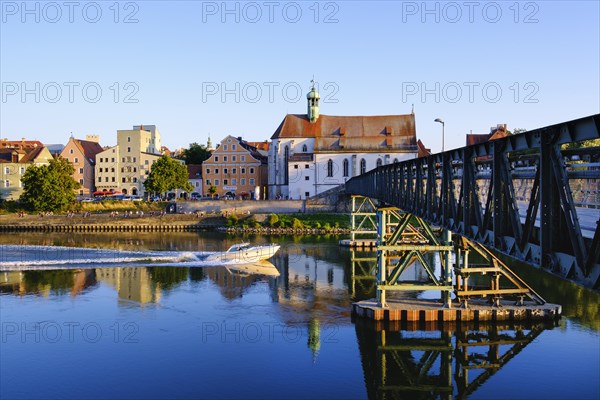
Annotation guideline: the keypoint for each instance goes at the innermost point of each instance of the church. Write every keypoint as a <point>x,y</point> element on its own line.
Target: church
<point>312,153</point>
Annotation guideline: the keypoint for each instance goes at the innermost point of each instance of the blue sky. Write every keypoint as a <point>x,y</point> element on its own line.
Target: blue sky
<point>194,68</point>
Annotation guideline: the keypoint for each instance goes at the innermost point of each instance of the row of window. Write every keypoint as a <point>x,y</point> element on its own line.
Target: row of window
<point>7,170</point>
<point>112,179</point>
<point>106,159</point>
<point>226,158</point>
<point>233,182</point>
<point>226,170</point>
<point>7,183</point>
<point>233,147</point>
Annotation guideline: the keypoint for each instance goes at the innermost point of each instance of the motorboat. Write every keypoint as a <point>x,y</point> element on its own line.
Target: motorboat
<point>245,253</point>
<point>263,267</point>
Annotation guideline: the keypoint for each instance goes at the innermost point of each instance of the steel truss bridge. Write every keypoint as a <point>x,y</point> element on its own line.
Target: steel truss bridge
<point>528,196</point>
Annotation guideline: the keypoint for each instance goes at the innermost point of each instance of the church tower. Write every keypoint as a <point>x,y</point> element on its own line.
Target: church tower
<point>313,104</point>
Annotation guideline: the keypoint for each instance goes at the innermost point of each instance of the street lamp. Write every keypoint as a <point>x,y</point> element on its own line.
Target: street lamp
<point>441,122</point>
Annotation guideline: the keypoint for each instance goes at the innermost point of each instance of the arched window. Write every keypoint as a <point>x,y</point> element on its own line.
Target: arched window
<point>363,166</point>
<point>346,167</point>
<point>286,156</point>
<point>304,148</point>
<point>379,162</point>
<point>330,168</point>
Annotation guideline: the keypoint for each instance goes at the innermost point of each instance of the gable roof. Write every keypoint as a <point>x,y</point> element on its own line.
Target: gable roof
<point>194,171</point>
<point>89,149</point>
<point>390,132</point>
<point>422,150</point>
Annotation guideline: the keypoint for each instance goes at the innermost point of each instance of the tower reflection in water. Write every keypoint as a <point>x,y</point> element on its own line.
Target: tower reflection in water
<point>403,362</point>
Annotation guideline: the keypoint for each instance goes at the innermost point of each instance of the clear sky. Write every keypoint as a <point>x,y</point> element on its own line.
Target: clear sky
<point>194,68</point>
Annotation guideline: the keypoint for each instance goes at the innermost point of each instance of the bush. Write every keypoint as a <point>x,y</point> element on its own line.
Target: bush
<point>232,220</point>
<point>272,220</point>
<point>318,225</point>
<point>327,226</point>
<point>281,224</point>
<point>297,224</point>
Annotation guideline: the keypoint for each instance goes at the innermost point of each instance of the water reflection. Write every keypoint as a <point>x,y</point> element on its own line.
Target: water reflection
<point>400,362</point>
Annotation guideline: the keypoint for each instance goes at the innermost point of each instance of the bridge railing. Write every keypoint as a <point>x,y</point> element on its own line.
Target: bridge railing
<point>472,192</point>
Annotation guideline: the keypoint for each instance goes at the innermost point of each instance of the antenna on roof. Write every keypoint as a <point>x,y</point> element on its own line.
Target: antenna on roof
<point>313,81</point>
<point>413,109</point>
<point>71,133</point>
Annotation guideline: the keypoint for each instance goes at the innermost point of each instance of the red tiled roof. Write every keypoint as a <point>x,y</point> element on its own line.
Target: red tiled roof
<point>396,132</point>
<point>264,146</point>
<point>194,171</point>
<point>89,149</point>
<point>478,138</point>
<point>422,150</point>
<point>20,144</point>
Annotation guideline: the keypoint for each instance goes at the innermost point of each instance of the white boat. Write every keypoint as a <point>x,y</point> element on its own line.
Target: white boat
<point>245,253</point>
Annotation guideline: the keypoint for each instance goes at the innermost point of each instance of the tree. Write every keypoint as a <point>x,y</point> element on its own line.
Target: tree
<point>167,174</point>
<point>195,154</point>
<point>49,187</point>
<point>212,190</point>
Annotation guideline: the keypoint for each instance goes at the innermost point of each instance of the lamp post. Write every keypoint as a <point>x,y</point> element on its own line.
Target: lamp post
<point>443,126</point>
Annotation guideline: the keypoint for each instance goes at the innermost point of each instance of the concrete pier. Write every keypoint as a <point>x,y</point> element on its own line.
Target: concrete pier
<point>426,311</point>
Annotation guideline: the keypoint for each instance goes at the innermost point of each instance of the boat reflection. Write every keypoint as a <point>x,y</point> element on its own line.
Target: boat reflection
<point>419,362</point>
<point>258,268</point>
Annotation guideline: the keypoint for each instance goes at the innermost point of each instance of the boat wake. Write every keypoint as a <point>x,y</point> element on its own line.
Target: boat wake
<point>29,257</point>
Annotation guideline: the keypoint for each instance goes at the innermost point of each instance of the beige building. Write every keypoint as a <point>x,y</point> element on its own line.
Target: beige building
<point>125,167</point>
<point>82,154</point>
<point>237,169</point>
<point>15,158</point>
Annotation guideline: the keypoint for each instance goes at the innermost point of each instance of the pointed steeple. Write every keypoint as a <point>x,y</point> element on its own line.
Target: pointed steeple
<point>313,98</point>
<point>209,143</point>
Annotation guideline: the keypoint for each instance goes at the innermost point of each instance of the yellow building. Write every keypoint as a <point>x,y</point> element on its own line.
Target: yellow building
<point>236,168</point>
<point>125,167</point>
<point>15,158</point>
<point>82,154</point>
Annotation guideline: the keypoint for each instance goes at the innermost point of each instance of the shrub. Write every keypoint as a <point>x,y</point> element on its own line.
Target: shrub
<point>327,226</point>
<point>297,224</point>
<point>232,220</point>
<point>272,220</point>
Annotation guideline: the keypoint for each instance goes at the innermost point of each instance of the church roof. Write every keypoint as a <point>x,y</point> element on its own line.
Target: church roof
<point>340,133</point>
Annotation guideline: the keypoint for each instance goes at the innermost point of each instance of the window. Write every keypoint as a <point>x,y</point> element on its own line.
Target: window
<point>76,160</point>
<point>106,179</point>
<point>134,180</point>
<point>233,147</point>
<point>225,159</point>
<point>22,170</point>
<point>146,162</point>
<point>101,159</point>
<point>286,156</point>
<point>243,158</point>
<point>379,162</point>
<point>217,182</point>
<point>304,148</point>
<point>207,171</point>
<point>134,169</point>
<point>252,181</point>
<point>128,159</point>
<point>134,159</point>
<point>363,166</point>
<point>330,168</point>
<point>71,151</point>
<point>234,181</point>
<point>129,149</point>
<point>234,158</point>
<point>81,181</point>
<point>99,179</point>
<point>346,167</point>
<point>208,182</point>
<point>197,184</point>
<point>295,166</point>
<point>243,181</point>
<point>112,159</point>
<point>225,171</point>
<point>306,166</point>
<point>81,170</point>
<point>306,194</point>
<point>252,169</point>
<point>225,181</point>
<point>6,183</point>
<point>234,171</point>
<point>243,170</point>
<point>225,147</point>
<point>81,192</point>
<point>113,178</point>
<point>7,171</point>
<point>129,138</point>
<point>123,180</point>
<point>307,178</point>
<point>216,170</point>
<point>216,158</point>
<point>111,170</point>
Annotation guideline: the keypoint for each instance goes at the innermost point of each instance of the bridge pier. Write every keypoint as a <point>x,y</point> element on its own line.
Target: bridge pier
<point>485,288</point>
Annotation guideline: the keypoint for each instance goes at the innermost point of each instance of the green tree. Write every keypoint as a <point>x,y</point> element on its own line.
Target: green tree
<point>212,190</point>
<point>195,154</point>
<point>167,174</point>
<point>49,187</point>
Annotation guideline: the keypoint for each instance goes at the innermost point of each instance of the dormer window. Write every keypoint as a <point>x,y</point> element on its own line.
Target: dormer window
<point>304,148</point>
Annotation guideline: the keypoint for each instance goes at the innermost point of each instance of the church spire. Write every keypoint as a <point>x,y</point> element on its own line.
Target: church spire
<point>313,103</point>
<point>209,143</point>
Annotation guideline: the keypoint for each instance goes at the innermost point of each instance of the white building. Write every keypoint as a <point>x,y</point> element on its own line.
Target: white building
<point>312,153</point>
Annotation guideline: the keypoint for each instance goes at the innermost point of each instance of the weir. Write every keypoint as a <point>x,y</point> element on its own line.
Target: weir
<point>453,214</point>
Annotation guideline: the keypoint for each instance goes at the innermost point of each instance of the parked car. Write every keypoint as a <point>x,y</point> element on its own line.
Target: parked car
<point>136,198</point>
<point>195,196</point>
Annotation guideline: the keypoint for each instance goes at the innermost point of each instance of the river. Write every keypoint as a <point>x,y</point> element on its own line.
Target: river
<point>142,316</point>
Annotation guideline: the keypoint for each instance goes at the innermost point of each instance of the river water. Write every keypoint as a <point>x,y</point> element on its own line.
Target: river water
<point>142,316</point>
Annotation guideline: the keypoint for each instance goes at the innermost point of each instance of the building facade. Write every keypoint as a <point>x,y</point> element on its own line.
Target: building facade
<point>15,158</point>
<point>82,154</point>
<point>125,167</point>
<point>236,169</point>
<point>312,153</point>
